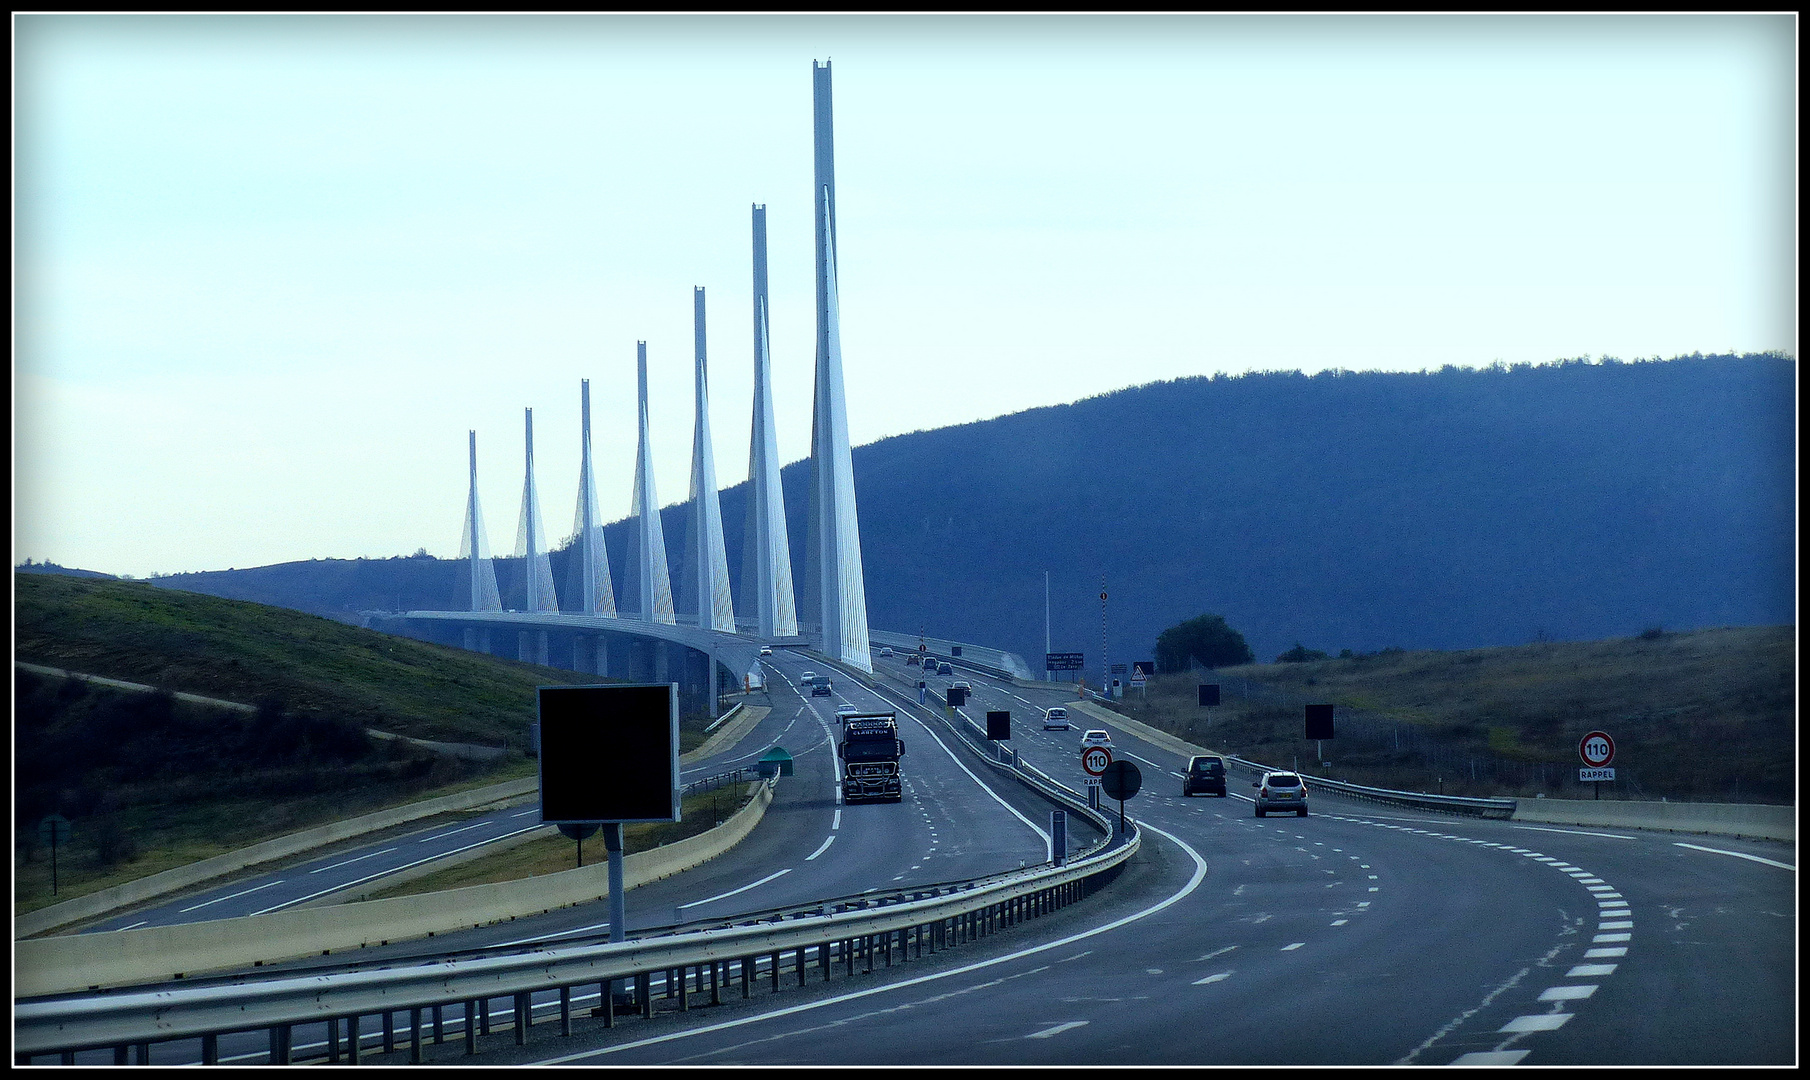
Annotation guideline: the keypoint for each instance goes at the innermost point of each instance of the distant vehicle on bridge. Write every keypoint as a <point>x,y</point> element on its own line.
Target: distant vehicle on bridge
<point>821,686</point>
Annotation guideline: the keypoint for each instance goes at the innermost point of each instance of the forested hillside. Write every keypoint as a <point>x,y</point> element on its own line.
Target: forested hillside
<point>1451,509</point>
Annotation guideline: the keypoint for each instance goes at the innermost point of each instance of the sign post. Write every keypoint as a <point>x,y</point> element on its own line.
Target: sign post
<point>1598,750</point>
<point>54,830</point>
<point>1121,780</point>
<point>609,754</point>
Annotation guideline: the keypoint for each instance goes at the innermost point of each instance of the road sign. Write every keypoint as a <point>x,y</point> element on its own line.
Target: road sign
<point>1062,661</point>
<point>54,830</point>
<point>999,725</point>
<point>1121,780</point>
<point>1319,722</point>
<point>1209,694</point>
<point>1118,669</point>
<point>1094,760</point>
<point>1587,776</point>
<point>609,753</point>
<point>1597,749</point>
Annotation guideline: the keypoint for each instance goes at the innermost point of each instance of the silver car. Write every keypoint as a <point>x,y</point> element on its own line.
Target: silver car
<point>1281,791</point>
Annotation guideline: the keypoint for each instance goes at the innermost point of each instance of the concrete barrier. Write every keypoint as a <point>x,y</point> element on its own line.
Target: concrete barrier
<point>155,953</point>
<point>1722,819</point>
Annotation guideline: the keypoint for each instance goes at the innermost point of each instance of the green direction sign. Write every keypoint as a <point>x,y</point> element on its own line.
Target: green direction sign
<point>775,762</point>
<point>54,830</point>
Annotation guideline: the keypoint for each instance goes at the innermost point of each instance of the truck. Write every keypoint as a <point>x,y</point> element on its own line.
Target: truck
<point>870,751</point>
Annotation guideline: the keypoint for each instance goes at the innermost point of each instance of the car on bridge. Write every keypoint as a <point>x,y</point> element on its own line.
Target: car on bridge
<point>821,686</point>
<point>962,685</point>
<point>913,659</point>
<point>1281,791</point>
<point>766,650</point>
<point>945,668</point>
<point>1055,719</point>
<point>886,650</point>
<point>1206,773</point>
<point>806,677</point>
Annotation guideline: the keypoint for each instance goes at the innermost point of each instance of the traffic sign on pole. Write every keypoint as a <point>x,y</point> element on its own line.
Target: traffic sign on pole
<point>1597,749</point>
<point>1094,760</point>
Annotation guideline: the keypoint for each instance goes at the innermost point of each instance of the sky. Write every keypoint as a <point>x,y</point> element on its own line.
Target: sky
<point>269,270</point>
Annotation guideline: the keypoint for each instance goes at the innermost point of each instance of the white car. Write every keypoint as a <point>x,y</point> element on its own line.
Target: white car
<point>1056,719</point>
<point>962,685</point>
<point>1096,737</point>
<point>886,651</point>
<point>766,650</point>
<point>807,677</point>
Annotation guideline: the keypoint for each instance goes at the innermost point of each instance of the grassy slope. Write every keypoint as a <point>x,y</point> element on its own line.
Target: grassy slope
<point>243,652</point>
<point>1708,716</point>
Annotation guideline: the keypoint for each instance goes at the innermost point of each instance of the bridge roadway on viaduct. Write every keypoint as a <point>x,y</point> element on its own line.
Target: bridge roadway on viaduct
<point>1360,934</point>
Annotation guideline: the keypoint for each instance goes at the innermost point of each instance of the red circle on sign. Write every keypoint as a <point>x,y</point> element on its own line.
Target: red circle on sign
<point>1094,760</point>
<point>1597,749</point>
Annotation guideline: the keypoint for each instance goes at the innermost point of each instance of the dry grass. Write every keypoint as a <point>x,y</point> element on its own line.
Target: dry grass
<point>1704,716</point>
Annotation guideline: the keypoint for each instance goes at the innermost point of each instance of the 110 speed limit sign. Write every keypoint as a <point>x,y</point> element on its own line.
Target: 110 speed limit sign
<point>1597,749</point>
<point>1094,760</point>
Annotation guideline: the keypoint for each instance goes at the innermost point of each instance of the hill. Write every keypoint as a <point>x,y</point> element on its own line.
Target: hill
<point>1450,509</point>
<point>1707,716</point>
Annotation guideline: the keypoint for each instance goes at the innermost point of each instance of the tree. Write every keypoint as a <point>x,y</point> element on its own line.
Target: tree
<point>1300,654</point>
<point>1204,639</point>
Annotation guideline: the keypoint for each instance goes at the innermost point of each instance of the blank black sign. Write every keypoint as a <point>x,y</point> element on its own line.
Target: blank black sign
<point>609,753</point>
<point>1209,694</point>
<point>999,725</point>
<point>1319,721</point>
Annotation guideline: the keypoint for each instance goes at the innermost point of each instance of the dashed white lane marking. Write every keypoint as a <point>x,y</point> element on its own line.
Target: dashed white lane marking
<point>1567,993</point>
<point>466,828</point>
<point>349,862</point>
<point>1210,979</point>
<point>732,892</point>
<point>1492,1057</point>
<point>217,899</point>
<point>1216,952</point>
<point>1736,854</point>
<point>827,841</point>
<point>1573,832</point>
<point>1291,948</point>
<point>135,925</point>
<point>1340,922</point>
<point>1539,1022</point>
<point>836,822</point>
<point>1604,953</point>
<point>1057,1030</point>
<point>1590,971</point>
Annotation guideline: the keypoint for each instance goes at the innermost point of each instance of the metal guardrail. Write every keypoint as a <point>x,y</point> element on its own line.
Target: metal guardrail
<point>1420,800</point>
<point>119,1021</point>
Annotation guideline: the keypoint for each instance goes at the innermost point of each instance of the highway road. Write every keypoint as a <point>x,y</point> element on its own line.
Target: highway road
<point>1357,935</point>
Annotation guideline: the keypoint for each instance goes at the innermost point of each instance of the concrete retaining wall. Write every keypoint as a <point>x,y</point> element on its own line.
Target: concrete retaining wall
<point>1722,819</point>
<point>154,953</point>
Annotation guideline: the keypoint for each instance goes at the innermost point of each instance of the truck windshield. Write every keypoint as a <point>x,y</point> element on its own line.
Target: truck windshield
<point>874,747</point>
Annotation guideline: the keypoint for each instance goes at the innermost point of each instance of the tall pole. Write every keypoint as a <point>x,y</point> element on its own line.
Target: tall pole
<point>1105,668</point>
<point>588,579</point>
<point>471,526</point>
<point>1046,615</point>
<point>530,577</point>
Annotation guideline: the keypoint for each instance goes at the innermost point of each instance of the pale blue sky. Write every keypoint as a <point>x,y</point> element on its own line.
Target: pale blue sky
<point>269,270</point>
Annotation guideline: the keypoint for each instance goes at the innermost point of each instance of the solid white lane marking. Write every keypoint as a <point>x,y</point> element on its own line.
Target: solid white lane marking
<point>1573,832</point>
<point>1542,1022</point>
<point>1567,993</point>
<point>525,813</point>
<point>349,862</point>
<point>135,925</point>
<point>1736,854</point>
<point>1210,979</point>
<point>825,847</point>
<point>217,899</point>
<point>1057,1030</point>
<point>1200,874</point>
<point>732,892</point>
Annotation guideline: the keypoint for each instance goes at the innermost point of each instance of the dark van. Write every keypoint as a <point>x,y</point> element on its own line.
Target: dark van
<point>1206,774</point>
